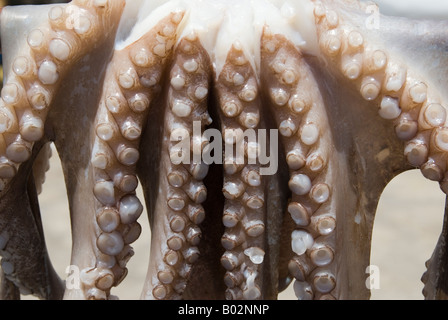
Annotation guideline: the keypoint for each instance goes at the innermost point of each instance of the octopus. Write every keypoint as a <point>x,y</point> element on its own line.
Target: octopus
<point>262,134</point>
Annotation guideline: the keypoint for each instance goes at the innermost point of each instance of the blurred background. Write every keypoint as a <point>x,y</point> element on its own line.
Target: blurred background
<point>408,220</point>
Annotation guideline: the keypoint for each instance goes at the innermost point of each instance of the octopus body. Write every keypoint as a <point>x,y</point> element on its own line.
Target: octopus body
<point>262,134</point>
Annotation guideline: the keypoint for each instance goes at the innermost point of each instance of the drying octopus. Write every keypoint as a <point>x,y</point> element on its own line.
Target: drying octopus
<point>338,103</point>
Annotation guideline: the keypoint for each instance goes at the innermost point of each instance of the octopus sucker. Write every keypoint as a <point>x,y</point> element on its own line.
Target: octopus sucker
<point>262,134</point>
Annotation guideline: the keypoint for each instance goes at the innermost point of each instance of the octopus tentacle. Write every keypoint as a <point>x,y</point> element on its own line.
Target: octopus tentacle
<point>52,49</point>
<point>244,187</point>
<point>399,93</point>
<point>8,290</point>
<point>32,81</point>
<point>299,114</point>
<point>435,277</point>
<point>402,96</point>
<point>178,211</point>
<point>25,264</point>
<point>133,78</point>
